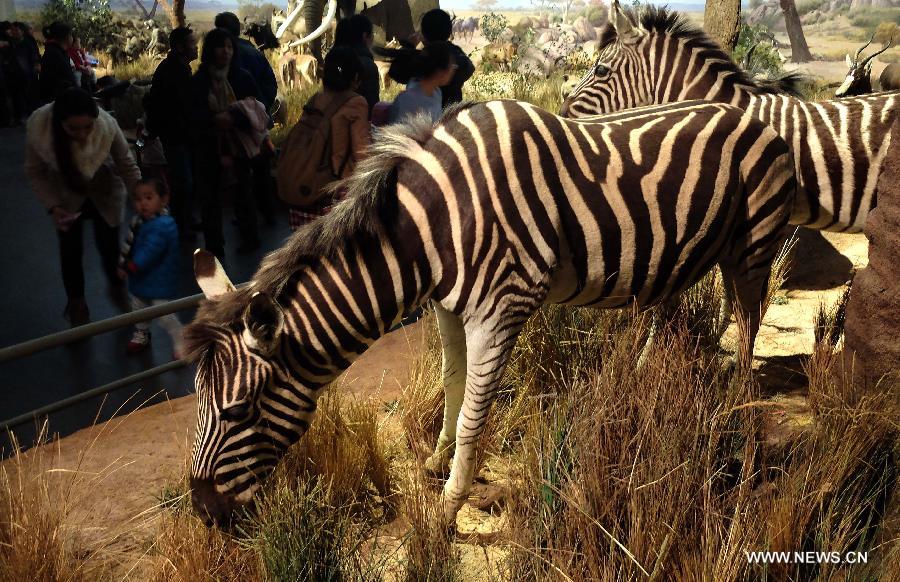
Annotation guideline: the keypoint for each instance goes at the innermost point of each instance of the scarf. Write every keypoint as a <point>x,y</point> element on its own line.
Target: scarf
<point>221,94</point>
<point>88,157</point>
<point>133,228</point>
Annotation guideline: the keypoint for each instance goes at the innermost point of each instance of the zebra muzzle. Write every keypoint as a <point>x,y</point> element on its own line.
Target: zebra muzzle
<point>212,507</point>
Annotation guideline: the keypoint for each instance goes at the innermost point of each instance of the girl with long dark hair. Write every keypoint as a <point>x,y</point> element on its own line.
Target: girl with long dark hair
<point>424,72</point>
<point>79,165</point>
<point>216,87</point>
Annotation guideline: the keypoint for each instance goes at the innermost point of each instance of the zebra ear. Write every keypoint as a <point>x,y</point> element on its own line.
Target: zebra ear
<point>210,275</point>
<point>263,323</point>
<point>619,19</point>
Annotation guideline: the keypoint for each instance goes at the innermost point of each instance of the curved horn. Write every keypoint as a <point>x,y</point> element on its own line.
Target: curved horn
<point>745,63</point>
<point>289,20</point>
<point>326,22</point>
<point>862,48</point>
<point>873,55</point>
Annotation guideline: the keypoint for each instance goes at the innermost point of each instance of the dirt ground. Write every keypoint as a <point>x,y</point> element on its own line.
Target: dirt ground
<point>125,464</point>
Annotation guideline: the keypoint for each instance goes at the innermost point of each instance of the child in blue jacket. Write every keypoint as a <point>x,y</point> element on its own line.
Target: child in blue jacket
<point>150,261</point>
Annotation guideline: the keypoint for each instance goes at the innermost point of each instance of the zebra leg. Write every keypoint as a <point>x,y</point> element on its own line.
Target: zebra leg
<point>726,309</point>
<point>658,319</point>
<point>488,350</point>
<point>745,293</point>
<point>453,343</point>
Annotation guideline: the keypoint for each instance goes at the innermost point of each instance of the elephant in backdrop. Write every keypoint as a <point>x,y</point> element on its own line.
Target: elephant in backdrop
<point>307,20</point>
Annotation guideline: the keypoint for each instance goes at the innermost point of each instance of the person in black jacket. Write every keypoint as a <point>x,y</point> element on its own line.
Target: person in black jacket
<point>57,72</point>
<point>251,59</point>
<point>168,117</point>
<point>356,33</point>
<point>255,62</point>
<point>218,84</point>
<point>437,27</point>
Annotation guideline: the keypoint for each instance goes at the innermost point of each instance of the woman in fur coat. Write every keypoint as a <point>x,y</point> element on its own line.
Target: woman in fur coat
<point>79,166</point>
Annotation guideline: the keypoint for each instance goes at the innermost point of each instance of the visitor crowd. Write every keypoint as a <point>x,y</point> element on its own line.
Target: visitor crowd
<point>212,127</point>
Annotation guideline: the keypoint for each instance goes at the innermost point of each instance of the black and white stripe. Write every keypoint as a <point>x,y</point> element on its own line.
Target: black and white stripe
<point>499,209</point>
<point>839,146</point>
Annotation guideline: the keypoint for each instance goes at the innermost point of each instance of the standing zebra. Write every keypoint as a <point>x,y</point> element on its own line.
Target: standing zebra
<point>838,146</point>
<point>498,209</point>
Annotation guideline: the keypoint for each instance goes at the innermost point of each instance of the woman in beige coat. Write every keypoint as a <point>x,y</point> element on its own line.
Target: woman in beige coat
<point>79,166</point>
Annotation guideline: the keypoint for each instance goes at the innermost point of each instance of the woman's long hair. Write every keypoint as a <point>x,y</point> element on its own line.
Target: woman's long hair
<point>71,103</point>
<point>342,67</point>
<point>214,39</point>
<point>409,63</point>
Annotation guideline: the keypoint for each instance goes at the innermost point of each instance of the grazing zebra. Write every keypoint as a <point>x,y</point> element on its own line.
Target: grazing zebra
<point>498,209</point>
<point>839,146</point>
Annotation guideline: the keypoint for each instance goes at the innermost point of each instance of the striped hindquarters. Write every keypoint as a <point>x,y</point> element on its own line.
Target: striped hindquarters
<point>839,148</point>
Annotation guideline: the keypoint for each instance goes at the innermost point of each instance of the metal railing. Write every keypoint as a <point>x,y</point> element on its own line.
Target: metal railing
<point>68,336</point>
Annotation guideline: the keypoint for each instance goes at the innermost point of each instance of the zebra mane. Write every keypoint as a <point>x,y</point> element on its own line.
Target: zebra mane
<point>662,20</point>
<point>368,206</point>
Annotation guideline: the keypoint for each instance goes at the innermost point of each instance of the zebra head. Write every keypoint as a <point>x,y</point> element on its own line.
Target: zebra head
<point>239,440</point>
<point>618,79</point>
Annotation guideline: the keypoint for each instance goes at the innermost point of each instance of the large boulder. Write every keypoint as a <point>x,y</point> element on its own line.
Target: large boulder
<point>584,29</point>
<point>872,331</point>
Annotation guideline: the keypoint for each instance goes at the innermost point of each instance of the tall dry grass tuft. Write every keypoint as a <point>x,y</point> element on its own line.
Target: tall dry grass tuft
<point>428,548</point>
<point>626,471</point>
<point>421,406</point>
<point>188,551</point>
<point>343,450</point>
<point>34,541</point>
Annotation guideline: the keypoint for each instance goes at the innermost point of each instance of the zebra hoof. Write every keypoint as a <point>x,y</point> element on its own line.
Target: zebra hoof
<point>438,465</point>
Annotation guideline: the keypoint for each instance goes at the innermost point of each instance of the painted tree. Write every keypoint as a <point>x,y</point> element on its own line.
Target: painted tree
<point>485,5</point>
<point>175,10</point>
<point>722,21</point>
<point>799,49</point>
<point>147,14</point>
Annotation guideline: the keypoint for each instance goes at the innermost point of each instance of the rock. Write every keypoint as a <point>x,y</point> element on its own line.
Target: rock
<point>546,37</point>
<point>872,331</point>
<point>591,47</point>
<point>584,29</point>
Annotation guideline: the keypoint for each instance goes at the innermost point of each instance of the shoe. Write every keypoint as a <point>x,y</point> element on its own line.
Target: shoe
<point>139,341</point>
<point>248,246</point>
<point>77,312</point>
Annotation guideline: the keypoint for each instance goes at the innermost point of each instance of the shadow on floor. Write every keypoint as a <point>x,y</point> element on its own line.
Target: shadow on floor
<point>816,264</point>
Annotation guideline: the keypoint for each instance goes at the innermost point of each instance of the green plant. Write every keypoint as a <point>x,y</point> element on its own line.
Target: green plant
<point>807,6</point>
<point>869,18</point>
<point>765,58</point>
<point>92,20</point>
<point>492,26</point>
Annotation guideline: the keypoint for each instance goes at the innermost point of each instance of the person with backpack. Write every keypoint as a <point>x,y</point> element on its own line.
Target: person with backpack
<point>356,32</point>
<point>328,141</point>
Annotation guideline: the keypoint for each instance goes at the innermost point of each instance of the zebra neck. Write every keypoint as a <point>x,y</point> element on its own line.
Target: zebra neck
<point>336,307</point>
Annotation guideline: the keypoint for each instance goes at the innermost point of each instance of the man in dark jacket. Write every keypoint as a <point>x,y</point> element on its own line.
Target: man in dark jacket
<point>168,117</point>
<point>57,72</point>
<point>437,27</point>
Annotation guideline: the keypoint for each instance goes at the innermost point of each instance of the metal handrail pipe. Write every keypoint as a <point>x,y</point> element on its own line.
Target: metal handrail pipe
<point>75,399</point>
<point>75,334</point>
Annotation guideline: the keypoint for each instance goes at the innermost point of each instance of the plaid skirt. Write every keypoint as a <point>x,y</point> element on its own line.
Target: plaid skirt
<point>299,216</point>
